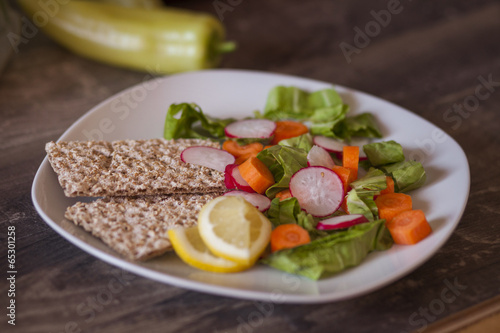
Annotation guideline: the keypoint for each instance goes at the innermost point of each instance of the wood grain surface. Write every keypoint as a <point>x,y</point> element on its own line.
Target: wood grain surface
<point>430,58</point>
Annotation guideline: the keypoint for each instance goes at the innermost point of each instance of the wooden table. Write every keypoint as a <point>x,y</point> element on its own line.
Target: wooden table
<point>430,58</point>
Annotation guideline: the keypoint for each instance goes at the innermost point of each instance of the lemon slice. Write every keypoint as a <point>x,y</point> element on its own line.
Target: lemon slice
<point>190,248</point>
<point>234,229</point>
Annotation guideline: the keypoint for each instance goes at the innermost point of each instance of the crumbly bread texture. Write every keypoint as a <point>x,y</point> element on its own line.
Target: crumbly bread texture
<point>136,227</point>
<point>131,168</point>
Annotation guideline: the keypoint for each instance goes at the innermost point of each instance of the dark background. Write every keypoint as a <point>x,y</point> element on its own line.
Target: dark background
<point>428,58</point>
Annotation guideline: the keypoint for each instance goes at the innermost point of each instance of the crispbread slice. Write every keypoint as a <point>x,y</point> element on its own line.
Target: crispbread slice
<point>137,227</point>
<point>131,168</point>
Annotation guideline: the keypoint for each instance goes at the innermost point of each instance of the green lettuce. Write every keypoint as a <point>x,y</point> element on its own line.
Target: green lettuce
<point>288,211</point>
<point>373,181</point>
<point>363,125</point>
<point>333,253</point>
<point>380,153</point>
<point>407,175</point>
<point>303,141</point>
<point>361,202</point>
<point>287,102</point>
<point>187,120</point>
<point>283,162</point>
<point>324,110</point>
<point>325,120</point>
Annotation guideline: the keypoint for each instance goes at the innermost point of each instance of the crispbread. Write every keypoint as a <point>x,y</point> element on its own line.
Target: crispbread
<point>137,227</point>
<point>131,168</point>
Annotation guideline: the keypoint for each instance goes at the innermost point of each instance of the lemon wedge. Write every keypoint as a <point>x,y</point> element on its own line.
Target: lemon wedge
<point>192,250</point>
<point>234,229</point>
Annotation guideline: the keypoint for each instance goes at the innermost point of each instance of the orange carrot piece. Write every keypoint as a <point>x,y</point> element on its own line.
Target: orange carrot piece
<point>285,194</point>
<point>243,158</point>
<point>409,227</point>
<point>287,236</point>
<point>344,206</point>
<point>346,176</point>
<point>287,129</point>
<point>350,159</point>
<point>391,204</point>
<point>390,186</point>
<point>236,150</point>
<point>256,174</point>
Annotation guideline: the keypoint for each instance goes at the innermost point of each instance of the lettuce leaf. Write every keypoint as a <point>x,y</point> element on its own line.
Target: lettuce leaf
<point>287,102</point>
<point>325,120</point>
<point>407,175</point>
<point>324,110</point>
<point>323,99</point>
<point>333,253</point>
<point>373,181</point>
<point>363,125</point>
<point>380,153</point>
<point>283,162</point>
<point>361,202</point>
<point>303,141</point>
<point>192,123</point>
<point>288,211</point>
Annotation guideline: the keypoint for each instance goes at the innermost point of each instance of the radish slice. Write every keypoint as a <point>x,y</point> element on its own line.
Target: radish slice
<point>329,144</point>
<point>337,147</point>
<point>318,156</point>
<point>209,157</point>
<point>239,181</point>
<point>228,177</point>
<point>341,222</point>
<point>318,189</point>
<point>251,128</point>
<point>261,202</point>
<point>360,142</point>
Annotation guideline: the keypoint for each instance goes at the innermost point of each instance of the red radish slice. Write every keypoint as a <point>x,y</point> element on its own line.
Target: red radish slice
<point>360,142</point>
<point>239,181</point>
<point>261,202</point>
<point>228,177</point>
<point>341,222</point>
<point>329,144</point>
<point>251,128</point>
<point>209,157</point>
<point>318,156</point>
<point>336,146</point>
<point>318,189</point>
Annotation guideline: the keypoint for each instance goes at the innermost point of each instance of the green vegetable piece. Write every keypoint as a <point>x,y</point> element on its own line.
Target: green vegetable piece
<point>363,125</point>
<point>288,211</point>
<point>324,120</point>
<point>407,175</point>
<point>324,108</point>
<point>333,253</point>
<point>303,141</point>
<point>163,40</point>
<point>283,162</point>
<point>246,141</point>
<point>323,99</point>
<point>187,124</point>
<point>361,202</point>
<point>380,153</point>
<point>286,102</point>
<point>373,181</point>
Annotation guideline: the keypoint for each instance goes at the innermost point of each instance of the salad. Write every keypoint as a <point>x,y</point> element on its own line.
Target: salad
<point>329,197</point>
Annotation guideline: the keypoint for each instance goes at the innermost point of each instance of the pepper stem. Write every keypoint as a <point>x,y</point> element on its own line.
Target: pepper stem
<point>225,47</point>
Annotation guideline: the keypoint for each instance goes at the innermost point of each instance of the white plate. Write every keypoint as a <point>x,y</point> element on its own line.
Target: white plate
<point>139,112</point>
